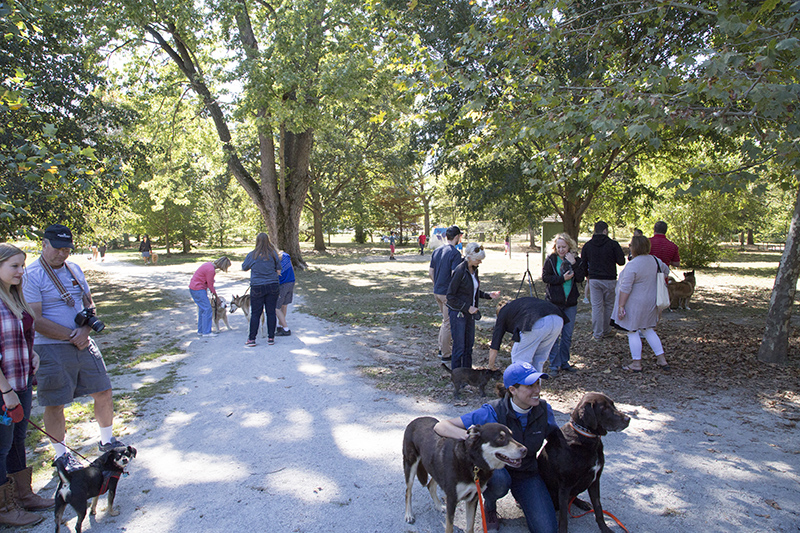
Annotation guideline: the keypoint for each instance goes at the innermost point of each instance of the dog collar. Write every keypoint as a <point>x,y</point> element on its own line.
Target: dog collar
<point>582,430</point>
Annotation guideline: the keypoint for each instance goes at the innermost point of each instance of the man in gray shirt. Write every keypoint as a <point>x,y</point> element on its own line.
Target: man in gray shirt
<point>71,363</point>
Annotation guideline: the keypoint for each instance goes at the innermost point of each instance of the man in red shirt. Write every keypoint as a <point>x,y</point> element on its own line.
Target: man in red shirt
<point>663,248</point>
<point>422,240</point>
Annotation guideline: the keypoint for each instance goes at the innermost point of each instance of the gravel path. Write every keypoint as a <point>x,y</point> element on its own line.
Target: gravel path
<point>291,438</point>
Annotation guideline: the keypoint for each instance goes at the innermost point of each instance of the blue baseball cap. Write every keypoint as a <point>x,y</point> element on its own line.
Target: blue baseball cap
<point>522,374</point>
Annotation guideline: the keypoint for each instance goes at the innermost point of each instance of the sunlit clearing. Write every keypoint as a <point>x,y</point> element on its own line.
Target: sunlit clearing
<point>190,468</point>
<point>361,283</point>
<point>305,485</point>
<point>255,420</point>
<point>363,442</point>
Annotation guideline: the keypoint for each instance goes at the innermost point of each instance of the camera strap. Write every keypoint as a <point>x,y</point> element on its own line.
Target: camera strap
<point>65,296</point>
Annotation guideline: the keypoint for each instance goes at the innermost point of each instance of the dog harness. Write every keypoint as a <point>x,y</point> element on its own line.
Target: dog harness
<point>107,475</point>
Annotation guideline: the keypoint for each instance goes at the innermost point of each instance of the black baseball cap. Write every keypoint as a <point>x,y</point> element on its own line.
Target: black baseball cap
<point>452,232</point>
<point>59,236</point>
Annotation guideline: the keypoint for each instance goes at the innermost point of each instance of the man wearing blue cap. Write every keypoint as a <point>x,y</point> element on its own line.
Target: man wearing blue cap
<point>530,420</point>
<point>71,363</point>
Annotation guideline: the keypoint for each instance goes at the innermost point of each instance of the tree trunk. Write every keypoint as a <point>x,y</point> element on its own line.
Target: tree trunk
<point>315,204</point>
<point>750,239</point>
<point>532,234</point>
<point>775,344</point>
<point>166,226</point>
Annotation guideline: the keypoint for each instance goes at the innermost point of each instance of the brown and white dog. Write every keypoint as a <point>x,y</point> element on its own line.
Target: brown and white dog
<point>681,291</point>
<point>220,307</point>
<point>452,464</point>
<point>153,257</point>
<point>243,302</point>
<point>572,460</point>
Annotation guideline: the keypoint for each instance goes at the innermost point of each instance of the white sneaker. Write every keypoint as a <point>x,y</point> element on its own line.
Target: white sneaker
<point>209,334</point>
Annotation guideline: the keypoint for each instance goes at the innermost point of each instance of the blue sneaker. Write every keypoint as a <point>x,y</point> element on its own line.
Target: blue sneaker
<point>113,444</point>
<point>67,462</point>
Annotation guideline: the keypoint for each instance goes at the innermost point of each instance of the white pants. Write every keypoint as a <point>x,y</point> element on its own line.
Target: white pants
<point>534,346</point>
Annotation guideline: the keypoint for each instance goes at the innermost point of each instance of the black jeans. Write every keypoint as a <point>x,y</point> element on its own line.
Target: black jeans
<point>263,297</point>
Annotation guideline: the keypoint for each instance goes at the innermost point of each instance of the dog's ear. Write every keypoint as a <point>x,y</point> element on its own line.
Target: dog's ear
<point>586,417</point>
<point>473,433</point>
<point>132,451</point>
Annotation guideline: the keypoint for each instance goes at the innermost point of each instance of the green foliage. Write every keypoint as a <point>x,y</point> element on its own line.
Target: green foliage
<point>60,152</point>
<point>696,224</point>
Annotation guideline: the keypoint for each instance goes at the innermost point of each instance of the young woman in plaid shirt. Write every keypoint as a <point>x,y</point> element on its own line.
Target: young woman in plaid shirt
<point>18,364</point>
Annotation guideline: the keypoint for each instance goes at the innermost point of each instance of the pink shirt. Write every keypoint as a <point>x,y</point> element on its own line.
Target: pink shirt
<point>664,249</point>
<point>204,278</point>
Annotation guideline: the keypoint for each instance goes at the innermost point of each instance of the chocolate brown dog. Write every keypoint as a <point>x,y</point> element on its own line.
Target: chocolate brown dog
<point>101,476</point>
<point>477,377</point>
<point>572,460</point>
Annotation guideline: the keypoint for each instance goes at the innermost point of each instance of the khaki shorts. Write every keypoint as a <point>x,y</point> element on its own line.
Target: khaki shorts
<point>285,294</point>
<point>66,373</point>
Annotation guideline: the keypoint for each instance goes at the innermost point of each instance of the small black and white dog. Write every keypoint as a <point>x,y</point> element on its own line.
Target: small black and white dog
<point>101,476</point>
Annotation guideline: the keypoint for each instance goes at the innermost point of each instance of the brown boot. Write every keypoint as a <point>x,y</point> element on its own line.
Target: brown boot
<point>11,514</point>
<point>29,500</point>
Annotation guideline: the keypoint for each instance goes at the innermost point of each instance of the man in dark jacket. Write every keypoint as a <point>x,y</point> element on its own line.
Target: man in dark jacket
<point>444,260</point>
<point>534,325</point>
<point>602,255</point>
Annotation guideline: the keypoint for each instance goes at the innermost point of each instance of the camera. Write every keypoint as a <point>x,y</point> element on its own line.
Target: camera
<point>87,318</point>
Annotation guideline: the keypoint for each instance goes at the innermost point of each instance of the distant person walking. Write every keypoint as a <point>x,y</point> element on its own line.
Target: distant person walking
<point>285,295</point>
<point>444,260</point>
<point>562,272</point>
<point>422,239</point>
<point>103,247</point>
<point>602,255</point>
<point>462,302</point>
<point>202,281</point>
<point>95,252</point>
<point>663,248</point>
<point>507,247</point>
<point>391,247</point>
<point>145,248</point>
<point>635,306</point>
<point>264,264</point>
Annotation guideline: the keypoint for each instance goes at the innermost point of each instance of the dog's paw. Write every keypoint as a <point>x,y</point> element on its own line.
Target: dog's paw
<point>113,512</point>
<point>410,518</point>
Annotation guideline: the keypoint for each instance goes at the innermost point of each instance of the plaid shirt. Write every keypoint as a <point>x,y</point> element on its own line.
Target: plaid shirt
<point>15,347</point>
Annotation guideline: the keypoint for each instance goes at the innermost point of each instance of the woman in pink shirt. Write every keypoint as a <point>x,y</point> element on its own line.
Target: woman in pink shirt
<point>203,280</point>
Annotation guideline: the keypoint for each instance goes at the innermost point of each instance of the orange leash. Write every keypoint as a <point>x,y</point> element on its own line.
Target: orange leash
<point>475,471</point>
<point>591,511</point>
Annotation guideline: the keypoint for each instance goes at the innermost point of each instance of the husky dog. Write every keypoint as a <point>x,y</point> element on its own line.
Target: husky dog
<point>244,302</point>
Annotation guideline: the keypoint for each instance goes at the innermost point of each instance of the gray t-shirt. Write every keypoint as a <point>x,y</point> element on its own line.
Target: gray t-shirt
<point>39,288</point>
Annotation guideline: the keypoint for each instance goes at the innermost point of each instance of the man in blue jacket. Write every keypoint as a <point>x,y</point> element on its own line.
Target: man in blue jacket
<point>601,256</point>
<point>444,260</point>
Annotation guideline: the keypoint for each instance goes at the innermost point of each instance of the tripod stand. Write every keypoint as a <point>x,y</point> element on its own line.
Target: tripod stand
<point>527,276</point>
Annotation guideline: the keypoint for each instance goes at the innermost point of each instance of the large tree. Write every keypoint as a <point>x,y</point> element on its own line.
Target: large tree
<point>260,70</point>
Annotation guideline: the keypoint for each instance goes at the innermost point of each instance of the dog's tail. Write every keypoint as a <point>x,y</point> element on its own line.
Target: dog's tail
<point>447,368</point>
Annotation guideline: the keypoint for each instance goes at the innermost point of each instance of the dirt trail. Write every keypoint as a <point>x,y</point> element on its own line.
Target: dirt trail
<point>292,438</point>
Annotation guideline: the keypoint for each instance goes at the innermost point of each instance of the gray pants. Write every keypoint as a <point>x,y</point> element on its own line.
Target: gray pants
<point>602,297</point>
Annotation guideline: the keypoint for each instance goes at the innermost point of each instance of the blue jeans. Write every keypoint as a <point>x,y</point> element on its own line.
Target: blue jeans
<point>531,493</point>
<point>204,311</point>
<point>12,439</point>
<point>462,329</point>
<point>559,355</point>
<point>263,297</point>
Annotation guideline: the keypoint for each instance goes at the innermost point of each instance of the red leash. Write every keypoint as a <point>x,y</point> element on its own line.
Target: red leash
<point>475,471</point>
<point>591,511</point>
